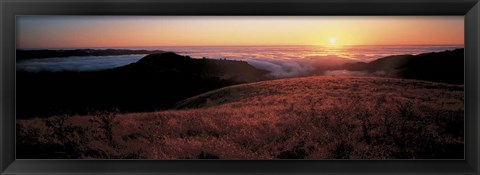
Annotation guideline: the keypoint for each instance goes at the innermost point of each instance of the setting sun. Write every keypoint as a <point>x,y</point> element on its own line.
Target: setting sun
<point>332,40</point>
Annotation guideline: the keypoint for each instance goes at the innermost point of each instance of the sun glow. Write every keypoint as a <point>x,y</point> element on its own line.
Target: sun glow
<point>332,40</point>
<point>333,31</point>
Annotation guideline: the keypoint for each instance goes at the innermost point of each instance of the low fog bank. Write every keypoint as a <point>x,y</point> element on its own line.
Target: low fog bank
<point>299,67</point>
<point>277,68</point>
<point>282,68</point>
<point>76,63</point>
<point>445,66</point>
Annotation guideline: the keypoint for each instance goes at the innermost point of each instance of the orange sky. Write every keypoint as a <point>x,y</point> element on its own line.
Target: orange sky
<point>127,31</point>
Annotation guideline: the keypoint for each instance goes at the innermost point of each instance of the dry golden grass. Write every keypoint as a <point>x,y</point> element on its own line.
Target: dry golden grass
<point>298,118</point>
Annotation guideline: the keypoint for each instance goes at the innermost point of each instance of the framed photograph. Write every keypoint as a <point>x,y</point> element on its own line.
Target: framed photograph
<point>240,87</point>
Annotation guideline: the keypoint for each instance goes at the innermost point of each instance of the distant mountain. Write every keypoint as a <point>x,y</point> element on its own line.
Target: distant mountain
<point>154,82</point>
<point>446,66</point>
<point>29,54</point>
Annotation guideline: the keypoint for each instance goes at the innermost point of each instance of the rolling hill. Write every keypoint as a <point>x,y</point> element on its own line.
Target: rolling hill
<point>320,117</point>
<point>446,66</point>
<point>155,82</point>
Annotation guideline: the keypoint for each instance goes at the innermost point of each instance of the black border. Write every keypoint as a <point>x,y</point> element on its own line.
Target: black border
<point>11,8</point>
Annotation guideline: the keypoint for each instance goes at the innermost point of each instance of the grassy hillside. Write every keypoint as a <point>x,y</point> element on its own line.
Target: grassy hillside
<point>298,118</point>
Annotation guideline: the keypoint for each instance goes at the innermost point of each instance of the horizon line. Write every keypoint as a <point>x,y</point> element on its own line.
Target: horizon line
<point>273,45</point>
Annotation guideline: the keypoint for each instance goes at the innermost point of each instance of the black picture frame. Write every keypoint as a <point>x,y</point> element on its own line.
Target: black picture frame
<point>11,8</point>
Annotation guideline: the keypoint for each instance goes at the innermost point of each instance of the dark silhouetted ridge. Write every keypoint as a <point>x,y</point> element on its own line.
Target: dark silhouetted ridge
<point>238,71</point>
<point>446,66</point>
<point>29,54</point>
<point>160,59</point>
<point>155,82</point>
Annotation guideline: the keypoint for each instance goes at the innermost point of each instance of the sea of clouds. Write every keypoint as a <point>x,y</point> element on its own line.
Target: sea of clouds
<point>76,63</point>
<point>280,61</point>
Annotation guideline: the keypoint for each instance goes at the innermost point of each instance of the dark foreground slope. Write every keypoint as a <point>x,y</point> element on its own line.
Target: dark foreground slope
<point>446,66</point>
<point>298,118</point>
<point>154,82</point>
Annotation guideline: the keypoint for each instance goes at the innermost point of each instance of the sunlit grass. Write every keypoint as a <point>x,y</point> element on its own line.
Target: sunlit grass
<point>298,118</point>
